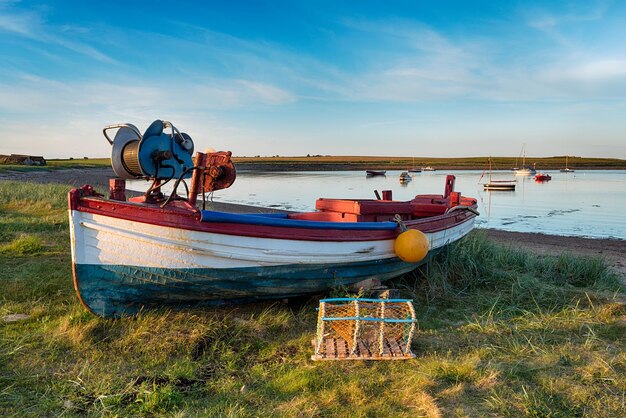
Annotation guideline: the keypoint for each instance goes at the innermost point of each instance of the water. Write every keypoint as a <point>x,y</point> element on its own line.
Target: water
<point>584,203</point>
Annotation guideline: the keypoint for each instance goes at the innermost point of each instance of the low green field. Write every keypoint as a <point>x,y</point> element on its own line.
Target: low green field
<point>61,165</point>
<point>501,333</point>
<point>404,163</point>
<point>318,162</point>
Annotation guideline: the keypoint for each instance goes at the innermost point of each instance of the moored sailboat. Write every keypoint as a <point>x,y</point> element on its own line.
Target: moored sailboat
<point>525,170</point>
<point>566,169</point>
<point>414,169</point>
<point>501,185</point>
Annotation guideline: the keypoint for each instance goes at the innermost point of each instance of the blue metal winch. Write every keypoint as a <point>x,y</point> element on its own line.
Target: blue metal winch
<point>156,154</point>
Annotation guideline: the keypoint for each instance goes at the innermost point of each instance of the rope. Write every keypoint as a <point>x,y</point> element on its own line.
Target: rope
<point>462,207</point>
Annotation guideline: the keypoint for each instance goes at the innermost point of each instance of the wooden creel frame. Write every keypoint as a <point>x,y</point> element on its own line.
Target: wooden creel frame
<point>364,329</point>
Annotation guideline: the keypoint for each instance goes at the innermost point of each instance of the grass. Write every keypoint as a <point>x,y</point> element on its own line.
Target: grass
<point>319,162</point>
<point>402,163</point>
<point>501,332</point>
<point>60,164</point>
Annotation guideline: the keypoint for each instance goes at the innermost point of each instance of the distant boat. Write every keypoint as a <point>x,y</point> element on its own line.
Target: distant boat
<point>414,169</point>
<point>372,173</point>
<point>497,185</point>
<point>428,168</point>
<point>525,170</point>
<point>543,177</point>
<point>405,177</point>
<point>566,169</point>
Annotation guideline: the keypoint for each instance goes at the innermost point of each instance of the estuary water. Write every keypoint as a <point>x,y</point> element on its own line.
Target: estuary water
<point>588,203</point>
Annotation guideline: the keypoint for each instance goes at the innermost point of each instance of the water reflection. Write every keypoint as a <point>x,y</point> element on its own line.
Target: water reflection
<point>585,203</point>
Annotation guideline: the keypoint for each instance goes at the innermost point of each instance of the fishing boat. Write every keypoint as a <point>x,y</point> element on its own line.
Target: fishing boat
<point>525,170</point>
<point>428,168</point>
<point>495,185</point>
<point>543,177</point>
<point>372,173</point>
<point>158,250</point>
<point>566,169</point>
<point>405,177</point>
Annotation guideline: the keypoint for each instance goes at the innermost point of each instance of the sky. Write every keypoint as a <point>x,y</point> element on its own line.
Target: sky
<point>395,78</point>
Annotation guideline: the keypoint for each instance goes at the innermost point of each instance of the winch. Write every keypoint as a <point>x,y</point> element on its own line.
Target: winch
<point>156,154</point>
<point>164,153</point>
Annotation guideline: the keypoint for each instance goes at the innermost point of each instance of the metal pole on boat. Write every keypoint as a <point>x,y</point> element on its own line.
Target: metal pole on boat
<point>196,178</point>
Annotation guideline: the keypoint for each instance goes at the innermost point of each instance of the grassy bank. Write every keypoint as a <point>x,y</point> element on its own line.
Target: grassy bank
<point>60,165</point>
<point>403,163</point>
<point>339,163</point>
<point>501,332</point>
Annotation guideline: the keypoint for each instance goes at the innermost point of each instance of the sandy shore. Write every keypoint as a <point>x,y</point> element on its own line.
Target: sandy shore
<point>73,177</point>
<point>613,250</point>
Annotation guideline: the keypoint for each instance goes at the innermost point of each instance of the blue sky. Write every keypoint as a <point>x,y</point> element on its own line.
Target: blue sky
<point>438,78</point>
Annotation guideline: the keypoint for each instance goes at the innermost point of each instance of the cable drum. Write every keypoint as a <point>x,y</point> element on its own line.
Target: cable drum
<point>130,158</point>
<point>124,160</point>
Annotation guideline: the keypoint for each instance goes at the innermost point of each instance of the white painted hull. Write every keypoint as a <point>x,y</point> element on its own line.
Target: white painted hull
<point>104,240</point>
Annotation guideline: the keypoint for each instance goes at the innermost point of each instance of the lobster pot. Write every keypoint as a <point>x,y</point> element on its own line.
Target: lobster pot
<point>364,329</point>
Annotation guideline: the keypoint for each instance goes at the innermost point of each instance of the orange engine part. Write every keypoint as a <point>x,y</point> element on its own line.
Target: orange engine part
<point>220,171</point>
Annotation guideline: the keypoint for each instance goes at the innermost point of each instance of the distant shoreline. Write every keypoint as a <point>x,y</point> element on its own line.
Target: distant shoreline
<point>356,163</point>
<point>287,167</point>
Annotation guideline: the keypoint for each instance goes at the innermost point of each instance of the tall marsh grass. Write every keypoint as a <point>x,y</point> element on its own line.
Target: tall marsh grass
<point>520,279</point>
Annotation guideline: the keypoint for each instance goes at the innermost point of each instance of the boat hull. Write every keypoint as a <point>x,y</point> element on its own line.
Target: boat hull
<point>124,265</point>
<point>117,290</point>
<point>525,172</point>
<point>499,186</point>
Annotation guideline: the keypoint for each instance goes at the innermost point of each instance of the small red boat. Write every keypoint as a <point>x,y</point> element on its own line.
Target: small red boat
<point>543,177</point>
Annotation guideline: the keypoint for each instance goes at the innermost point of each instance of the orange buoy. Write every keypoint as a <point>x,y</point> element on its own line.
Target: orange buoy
<point>411,246</point>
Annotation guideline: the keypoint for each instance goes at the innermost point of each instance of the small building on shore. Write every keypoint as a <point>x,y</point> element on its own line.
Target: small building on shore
<point>19,159</point>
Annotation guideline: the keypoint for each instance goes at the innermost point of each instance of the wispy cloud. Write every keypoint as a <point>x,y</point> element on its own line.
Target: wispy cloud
<point>600,69</point>
<point>429,65</point>
<point>552,23</point>
<point>413,62</point>
<point>586,12</point>
<point>22,23</point>
<point>32,94</point>
<point>269,93</point>
<point>32,25</point>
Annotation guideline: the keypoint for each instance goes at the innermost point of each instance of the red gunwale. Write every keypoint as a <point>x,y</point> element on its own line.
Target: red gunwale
<point>175,217</point>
